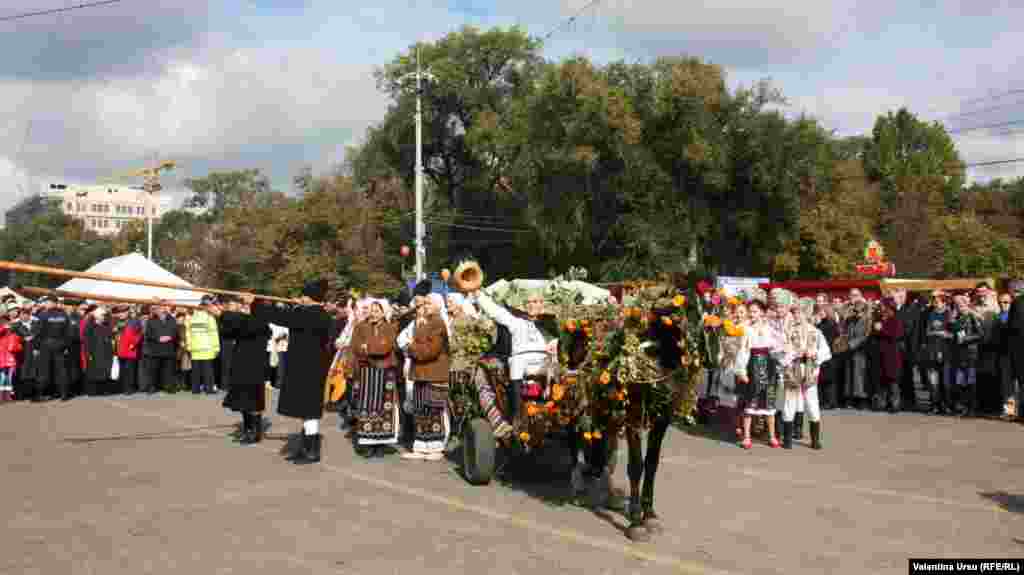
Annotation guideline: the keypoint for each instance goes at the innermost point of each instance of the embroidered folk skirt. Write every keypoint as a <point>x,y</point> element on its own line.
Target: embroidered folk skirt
<point>759,394</point>
<point>375,396</point>
<point>430,415</point>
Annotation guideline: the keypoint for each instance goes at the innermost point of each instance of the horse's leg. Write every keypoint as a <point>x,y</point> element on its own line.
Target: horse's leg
<point>655,437</point>
<point>574,437</point>
<point>635,469</point>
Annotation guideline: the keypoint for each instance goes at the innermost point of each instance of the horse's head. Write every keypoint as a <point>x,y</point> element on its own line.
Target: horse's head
<point>666,341</point>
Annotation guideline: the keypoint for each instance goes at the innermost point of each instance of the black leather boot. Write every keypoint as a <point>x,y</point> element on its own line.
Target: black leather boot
<point>798,426</point>
<point>787,435</point>
<point>894,397</point>
<point>254,429</point>
<point>243,436</point>
<point>816,435</point>
<point>310,450</point>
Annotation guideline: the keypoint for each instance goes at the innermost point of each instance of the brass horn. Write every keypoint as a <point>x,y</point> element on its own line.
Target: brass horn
<point>468,277</point>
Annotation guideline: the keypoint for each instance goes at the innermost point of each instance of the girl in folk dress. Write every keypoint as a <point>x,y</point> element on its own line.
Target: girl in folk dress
<point>730,348</point>
<point>430,364</point>
<point>806,350</point>
<point>755,371</point>
<point>375,390</point>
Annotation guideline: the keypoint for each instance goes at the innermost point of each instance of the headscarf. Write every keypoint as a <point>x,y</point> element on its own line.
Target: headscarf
<point>384,305</point>
<point>438,301</point>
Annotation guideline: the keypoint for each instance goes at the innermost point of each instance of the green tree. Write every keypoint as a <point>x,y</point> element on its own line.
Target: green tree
<point>53,240</point>
<point>902,148</point>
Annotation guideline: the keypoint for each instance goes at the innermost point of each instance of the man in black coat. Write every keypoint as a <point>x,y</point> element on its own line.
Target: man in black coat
<point>54,341</point>
<point>909,313</point>
<point>1015,332</point>
<point>246,394</point>
<point>307,361</point>
<point>159,349</point>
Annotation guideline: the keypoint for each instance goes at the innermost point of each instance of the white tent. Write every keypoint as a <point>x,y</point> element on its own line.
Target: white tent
<point>133,266</point>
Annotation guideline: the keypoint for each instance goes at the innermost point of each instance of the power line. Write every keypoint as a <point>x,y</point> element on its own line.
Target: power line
<point>24,15</point>
<point>568,20</point>
<point>993,96</point>
<point>986,127</point>
<point>982,110</point>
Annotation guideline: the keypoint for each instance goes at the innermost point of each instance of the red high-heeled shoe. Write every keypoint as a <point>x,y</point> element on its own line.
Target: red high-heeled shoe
<point>747,444</point>
<point>775,443</point>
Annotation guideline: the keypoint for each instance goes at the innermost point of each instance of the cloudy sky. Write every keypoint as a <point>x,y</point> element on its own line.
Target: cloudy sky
<point>278,84</point>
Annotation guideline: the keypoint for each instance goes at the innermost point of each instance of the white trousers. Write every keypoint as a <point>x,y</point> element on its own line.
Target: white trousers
<point>805,400</point>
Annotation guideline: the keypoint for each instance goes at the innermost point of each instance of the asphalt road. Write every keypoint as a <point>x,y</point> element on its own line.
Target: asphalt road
<point>156,485</point>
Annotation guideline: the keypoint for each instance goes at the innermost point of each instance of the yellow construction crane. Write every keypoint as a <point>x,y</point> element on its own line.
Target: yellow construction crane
<point>151,185</point>
<point>150,176</point>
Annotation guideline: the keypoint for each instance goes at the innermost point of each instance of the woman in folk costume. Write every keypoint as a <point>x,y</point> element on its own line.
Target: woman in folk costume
<point>729,350</point>
<point>428,400</point>
<point>247,392</point>
<point>755,371</point>
<point>306,362</point>
<point>375,389</point>
<point>344,360</point>
<point>806,351</point>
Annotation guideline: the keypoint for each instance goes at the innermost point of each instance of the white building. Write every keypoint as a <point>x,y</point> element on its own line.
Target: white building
<point>106,209</point>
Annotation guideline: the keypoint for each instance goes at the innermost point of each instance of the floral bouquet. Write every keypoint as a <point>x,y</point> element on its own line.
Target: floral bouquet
<point>471,337</point>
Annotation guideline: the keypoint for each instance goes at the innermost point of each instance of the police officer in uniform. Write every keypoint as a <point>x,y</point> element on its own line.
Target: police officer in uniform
<point>54,340</point>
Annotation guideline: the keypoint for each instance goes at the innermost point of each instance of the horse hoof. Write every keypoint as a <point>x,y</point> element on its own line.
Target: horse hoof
<point>638,534</point>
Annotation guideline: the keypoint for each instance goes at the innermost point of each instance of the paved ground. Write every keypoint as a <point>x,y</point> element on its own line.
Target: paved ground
<point>155,485</point>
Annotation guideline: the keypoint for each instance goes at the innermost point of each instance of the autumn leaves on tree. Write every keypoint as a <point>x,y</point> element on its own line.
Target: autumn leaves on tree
<point>628,170</point>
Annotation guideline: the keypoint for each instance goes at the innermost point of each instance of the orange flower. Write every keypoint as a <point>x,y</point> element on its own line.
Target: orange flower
<point>621,396</point>
<point>666,320</point>
<point>679,300</point>
<point>532,409</point>
<point>712,321</point>
<point>587,435</point>
<point>570,326</point>
<point>585,323</point>
<point>557,392</point>
<point>733,301</point>
<point>524,437</point>
<point>596,435</point>
<point>606,378</point>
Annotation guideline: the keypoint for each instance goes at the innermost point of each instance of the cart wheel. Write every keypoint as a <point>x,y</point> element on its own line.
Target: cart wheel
<point>478,451</point>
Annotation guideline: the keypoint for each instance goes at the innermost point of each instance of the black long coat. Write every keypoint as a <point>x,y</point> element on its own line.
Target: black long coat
<point>99,344</point>
<point>1015,335</point>
<point>310,351</point>
<point>251,360</point>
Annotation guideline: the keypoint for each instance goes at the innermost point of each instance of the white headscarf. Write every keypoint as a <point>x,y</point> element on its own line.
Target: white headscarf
<point>438,301</point>
<point>384,305</point>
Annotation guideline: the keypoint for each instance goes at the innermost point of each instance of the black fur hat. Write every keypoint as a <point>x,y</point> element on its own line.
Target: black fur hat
<point>316,290</point>
<point>423,288</point>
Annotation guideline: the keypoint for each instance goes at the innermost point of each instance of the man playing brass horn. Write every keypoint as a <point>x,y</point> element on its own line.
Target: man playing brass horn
<point>530,349</point>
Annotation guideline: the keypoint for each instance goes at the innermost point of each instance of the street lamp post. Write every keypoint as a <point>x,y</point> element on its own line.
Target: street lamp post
<point>420,246</point>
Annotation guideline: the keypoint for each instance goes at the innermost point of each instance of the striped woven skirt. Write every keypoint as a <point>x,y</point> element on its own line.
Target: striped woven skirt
<point>375,397</point>
<point>430,414</point>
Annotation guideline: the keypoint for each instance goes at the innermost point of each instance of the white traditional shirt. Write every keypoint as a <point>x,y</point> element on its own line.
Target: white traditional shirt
<point>805,339</point>
<point>757,336</point>
<point>529,348</point>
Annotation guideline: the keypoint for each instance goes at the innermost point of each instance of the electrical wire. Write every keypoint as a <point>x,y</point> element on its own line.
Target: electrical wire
<point>568,20</point>
<point>985,127</point>
<point>24,15</point>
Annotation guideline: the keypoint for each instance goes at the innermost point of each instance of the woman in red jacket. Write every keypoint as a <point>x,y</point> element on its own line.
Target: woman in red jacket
<point>10,347</point>
<point>129,340</point>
